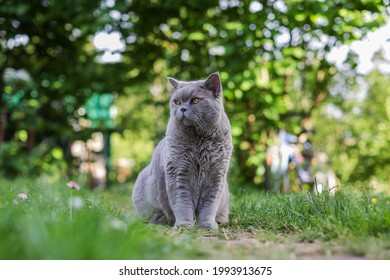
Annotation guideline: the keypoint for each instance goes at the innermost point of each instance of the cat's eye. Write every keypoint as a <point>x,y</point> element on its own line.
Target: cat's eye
<point>177,101</point>
<point>195,101</point>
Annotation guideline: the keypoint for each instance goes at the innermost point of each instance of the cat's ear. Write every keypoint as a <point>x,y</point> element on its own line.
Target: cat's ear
<point>175,83</point>
<point>213,83</point>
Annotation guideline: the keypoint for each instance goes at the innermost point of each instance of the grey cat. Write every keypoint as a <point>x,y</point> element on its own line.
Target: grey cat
<point>187,177</point>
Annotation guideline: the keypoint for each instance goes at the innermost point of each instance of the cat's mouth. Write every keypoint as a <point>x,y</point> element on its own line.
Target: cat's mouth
<point>185,120</point>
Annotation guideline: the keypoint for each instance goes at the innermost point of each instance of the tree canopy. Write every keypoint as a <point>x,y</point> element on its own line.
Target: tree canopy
<point>271,55</point>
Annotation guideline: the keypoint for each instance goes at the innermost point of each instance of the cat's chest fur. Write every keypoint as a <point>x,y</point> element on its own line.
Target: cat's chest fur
<point>207,153</point>
<point>200,156</point>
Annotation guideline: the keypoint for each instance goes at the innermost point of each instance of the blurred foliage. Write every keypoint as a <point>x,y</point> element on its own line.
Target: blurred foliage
<point>357,138</point>
<point>47,72</point>
<point>142,118</point>
<point>271,56</point>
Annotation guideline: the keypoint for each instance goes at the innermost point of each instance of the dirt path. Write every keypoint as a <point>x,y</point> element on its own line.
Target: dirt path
<point>252,248</point>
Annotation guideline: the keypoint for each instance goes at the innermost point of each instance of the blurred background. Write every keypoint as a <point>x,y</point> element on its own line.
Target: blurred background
<point>83,84</point>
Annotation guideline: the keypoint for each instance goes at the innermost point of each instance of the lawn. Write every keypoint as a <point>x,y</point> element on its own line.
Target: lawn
<point>53,221</point>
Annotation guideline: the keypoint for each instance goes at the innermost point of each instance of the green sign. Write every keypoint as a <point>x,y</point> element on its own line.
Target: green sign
<point>98,109</point>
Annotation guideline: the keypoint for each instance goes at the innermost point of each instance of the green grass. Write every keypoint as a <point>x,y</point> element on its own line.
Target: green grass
<point>301,225</point>
<point>323,216</point>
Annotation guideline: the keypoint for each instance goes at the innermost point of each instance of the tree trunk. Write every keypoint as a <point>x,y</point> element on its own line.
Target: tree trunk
<point>3,125</point>
<point>248,172</point>
<point>3,109</point>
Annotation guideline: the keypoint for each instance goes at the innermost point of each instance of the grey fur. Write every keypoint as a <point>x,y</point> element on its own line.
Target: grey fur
<point>187,177</point>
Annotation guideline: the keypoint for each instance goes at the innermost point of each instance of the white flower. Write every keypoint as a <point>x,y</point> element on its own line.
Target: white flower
<point>76,202</point>
<point>118,224</point>
<point>22,196</point>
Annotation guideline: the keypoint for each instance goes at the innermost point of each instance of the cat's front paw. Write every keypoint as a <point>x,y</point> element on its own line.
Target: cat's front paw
<point>184,224</point>
<point>208,224</point>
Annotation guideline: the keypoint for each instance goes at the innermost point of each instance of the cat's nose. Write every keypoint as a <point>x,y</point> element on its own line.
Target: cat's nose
<point>183,109</point>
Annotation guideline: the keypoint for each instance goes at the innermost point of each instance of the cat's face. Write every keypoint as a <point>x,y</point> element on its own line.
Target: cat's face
<point>197,104</point>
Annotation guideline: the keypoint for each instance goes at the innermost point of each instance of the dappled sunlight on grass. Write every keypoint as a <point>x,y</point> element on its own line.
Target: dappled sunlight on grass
<point>330,216</point>
<point>51,221</point>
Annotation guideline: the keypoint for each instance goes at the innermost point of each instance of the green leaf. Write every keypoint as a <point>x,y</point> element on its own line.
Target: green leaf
<point>196,36</point>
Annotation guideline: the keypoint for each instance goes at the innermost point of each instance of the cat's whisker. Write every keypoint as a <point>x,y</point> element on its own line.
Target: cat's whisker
<point>200,122</point>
